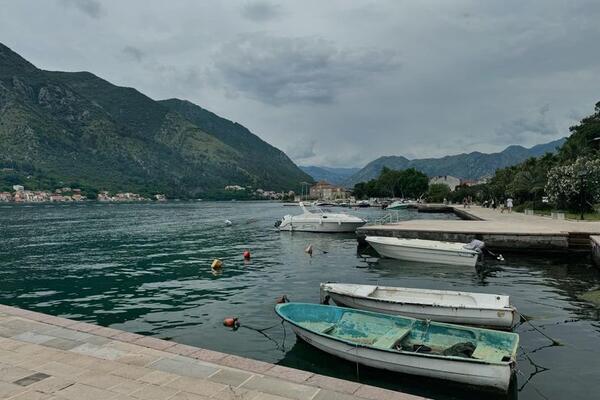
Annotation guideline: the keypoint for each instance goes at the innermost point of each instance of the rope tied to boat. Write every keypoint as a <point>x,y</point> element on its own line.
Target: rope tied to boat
<point>554,341</point>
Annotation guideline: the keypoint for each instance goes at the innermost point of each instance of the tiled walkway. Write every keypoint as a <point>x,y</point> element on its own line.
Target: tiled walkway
<point>44,357</point>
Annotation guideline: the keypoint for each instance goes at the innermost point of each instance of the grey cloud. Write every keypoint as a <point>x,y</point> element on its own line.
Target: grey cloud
<point>261,11</point>
<point>302,150</point>
<point>133,53</point>
<point>282,70</point>
<point>473,74</point>
<point>537,123</point>
<point>91,8</point>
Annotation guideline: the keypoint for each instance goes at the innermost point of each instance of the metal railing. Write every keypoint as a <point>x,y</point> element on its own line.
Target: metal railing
<point>389,218</point>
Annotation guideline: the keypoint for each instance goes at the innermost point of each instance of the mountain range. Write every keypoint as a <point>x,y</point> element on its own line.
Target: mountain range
<point>77,128</point>
<point>336,176</point>
<point>473,165</point>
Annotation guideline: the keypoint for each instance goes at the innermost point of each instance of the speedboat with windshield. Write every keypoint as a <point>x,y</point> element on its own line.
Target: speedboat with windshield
<point>318,220</point>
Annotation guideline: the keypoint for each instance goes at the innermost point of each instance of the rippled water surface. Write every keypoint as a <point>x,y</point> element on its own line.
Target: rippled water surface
<point>146,268</point>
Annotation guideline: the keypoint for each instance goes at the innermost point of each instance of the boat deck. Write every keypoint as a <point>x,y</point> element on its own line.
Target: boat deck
<point>45,357</point>
<point>500,231</point>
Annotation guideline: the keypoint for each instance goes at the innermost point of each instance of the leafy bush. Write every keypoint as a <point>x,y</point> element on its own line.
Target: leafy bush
<point>438,192</point>
<point>568,183</point>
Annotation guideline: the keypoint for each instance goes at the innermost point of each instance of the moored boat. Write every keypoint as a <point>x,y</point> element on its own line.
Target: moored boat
<point>461,354</point>
<point>399,205</point>
<point>431,251</point>
<point>479,309</point>
<point>319,221</point>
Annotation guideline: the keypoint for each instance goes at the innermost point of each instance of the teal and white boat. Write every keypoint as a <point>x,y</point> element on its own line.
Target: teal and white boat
<point>467,355</point>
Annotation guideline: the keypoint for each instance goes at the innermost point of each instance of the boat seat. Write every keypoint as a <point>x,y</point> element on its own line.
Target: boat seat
<point>391,337</point>
<point>488,353</point>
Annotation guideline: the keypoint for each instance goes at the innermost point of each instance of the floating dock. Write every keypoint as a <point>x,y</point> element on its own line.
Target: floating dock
<point>46,357</point>
<point>514,232</point>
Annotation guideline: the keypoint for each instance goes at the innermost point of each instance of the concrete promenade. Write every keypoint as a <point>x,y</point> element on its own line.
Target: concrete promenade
<point>43,357</point>
<point>514,231</point>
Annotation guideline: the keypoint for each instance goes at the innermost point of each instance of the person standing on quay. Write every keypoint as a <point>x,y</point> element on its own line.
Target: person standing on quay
<point>509,204</point>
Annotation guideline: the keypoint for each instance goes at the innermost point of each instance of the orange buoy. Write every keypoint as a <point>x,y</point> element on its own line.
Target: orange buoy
<point>246,255</point>
<point>231,322</point>
<point>216,264</point>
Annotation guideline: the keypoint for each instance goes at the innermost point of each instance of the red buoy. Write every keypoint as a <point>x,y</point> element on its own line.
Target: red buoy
<point>246,255</point>
<point>231,322</point>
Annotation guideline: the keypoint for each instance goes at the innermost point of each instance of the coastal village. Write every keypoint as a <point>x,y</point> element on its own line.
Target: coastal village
<point>321,190</point>
<point>67,194</point>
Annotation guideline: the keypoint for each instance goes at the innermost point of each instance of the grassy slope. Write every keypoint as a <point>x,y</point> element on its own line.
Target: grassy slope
<point>269,166</point>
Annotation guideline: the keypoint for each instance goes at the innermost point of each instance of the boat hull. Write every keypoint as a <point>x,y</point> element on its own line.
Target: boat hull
<point>492,376</point>
<point>325,227</point>
<point>436,256</point>
<point>485,318</point>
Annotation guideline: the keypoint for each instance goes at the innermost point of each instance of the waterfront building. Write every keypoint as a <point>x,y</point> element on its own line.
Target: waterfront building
<point>234,187</point>
<point>6,196</point>
<point>326,191</point>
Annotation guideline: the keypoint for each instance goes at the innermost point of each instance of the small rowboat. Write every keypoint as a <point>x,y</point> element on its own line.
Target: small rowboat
<point>480,309</point>
<point>461,354</point>
<point>431,251</point>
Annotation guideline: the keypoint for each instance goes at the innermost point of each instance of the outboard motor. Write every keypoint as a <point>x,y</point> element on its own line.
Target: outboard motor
<point>277,223</point>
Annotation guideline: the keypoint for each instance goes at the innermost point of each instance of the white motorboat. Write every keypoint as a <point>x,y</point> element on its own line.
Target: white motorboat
<point>479,309</point>
<point>319,221</point>
<point>431,251</point>
<point>467,355</point>
<point>399,205</point>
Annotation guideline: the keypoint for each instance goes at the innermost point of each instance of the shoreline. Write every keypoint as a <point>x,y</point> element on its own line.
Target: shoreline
<point>59,356</point>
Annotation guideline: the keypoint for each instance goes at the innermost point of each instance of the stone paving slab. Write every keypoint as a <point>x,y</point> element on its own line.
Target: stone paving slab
<point>50,358</point>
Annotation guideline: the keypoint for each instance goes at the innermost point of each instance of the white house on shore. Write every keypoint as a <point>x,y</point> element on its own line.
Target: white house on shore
<point>451,181</point>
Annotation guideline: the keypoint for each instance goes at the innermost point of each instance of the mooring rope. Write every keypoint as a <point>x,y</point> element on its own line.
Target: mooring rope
<point>554,342</point>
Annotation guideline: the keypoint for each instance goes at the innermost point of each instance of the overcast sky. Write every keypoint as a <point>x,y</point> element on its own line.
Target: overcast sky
<point>338,83</point>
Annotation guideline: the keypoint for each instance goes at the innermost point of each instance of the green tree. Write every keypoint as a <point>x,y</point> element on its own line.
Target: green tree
<point>437,192</point>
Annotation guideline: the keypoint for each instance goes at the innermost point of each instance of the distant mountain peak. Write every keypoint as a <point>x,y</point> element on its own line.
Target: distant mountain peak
<point>474,165</point>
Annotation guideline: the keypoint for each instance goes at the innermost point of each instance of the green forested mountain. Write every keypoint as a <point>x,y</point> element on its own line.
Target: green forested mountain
<point>267,165</point>
<point>473,165</point>
<point>79,129</point>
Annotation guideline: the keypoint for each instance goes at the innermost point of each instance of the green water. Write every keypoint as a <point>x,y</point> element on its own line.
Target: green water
<point>146,268</point>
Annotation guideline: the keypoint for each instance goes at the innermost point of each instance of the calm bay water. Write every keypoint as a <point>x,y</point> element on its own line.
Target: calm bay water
<point>146,268</point>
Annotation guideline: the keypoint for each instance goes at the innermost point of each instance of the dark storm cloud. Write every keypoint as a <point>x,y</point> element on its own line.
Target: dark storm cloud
<point>282,70</point>
<point>91,8</point>
<point>261,11</point>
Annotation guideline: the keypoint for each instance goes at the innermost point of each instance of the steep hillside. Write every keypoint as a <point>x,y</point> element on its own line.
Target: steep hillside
<point>336,176</point>
<point>268,166</point>
<point>79,129</point>
<point>473,165</point>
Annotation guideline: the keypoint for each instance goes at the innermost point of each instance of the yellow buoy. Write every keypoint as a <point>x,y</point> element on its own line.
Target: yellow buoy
<point>216,264</point>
